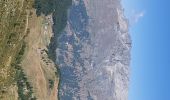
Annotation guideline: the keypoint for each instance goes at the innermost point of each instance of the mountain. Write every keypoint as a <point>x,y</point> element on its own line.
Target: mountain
<point>93,52</point>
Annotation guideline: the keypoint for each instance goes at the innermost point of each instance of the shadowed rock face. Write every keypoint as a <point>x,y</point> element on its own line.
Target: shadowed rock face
<point>94,52</point>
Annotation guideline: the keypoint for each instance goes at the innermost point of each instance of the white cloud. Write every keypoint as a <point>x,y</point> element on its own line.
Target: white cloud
<point>136,16</point>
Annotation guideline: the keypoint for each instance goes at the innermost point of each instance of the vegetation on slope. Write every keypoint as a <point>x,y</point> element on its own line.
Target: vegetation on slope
<point>14,16</point>
<point>13,22</point>
<point>25,91</point>
<point>58,8</point>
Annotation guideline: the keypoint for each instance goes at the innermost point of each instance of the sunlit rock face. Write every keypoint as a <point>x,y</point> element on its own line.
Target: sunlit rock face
<point>94,52</point>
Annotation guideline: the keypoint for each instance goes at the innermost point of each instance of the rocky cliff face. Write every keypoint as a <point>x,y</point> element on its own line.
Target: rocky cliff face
<point>94,52</point>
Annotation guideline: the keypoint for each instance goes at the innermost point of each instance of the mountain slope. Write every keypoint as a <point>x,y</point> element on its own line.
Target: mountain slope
<point>94,52</point>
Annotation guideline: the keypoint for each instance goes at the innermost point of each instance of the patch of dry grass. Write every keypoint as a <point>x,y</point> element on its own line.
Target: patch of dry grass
<point>36,64</point>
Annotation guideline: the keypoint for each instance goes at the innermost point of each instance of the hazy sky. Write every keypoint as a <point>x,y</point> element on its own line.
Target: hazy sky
<point>150,32</point>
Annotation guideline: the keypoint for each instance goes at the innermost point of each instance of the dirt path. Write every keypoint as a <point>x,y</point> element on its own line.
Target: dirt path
<point>26,25</point>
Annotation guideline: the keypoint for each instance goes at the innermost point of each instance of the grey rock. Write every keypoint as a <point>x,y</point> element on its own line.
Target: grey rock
<point>94,52</point>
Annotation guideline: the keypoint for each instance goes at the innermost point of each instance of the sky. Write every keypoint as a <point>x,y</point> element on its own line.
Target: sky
<point>150,33</point>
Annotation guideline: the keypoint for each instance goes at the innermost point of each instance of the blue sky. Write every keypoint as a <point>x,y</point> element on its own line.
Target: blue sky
<point>150,32</point>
